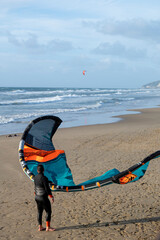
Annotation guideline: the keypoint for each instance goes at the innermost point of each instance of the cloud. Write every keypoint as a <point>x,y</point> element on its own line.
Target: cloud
<point>32,44</point>
<point>134,28</point>
<point>119,50</point>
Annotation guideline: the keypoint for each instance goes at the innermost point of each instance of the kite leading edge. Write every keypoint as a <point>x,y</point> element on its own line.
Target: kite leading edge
<point>36,147</point>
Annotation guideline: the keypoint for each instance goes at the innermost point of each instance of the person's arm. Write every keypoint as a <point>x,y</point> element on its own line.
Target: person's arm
<point>47,189</point>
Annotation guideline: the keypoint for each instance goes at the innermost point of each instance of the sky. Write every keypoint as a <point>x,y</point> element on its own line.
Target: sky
<point>50,43</point>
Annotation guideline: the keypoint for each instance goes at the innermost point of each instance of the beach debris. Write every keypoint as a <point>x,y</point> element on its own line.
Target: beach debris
<point>12,135</point>
<point>115,222</point>
<point>106,224</point>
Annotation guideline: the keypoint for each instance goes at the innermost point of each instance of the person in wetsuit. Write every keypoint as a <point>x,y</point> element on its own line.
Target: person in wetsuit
<point>42,191</point>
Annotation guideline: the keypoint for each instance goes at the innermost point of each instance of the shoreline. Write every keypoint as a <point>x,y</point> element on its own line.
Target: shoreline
<point>89,107</point>
<point>122,118</point>
<point>118,212</point>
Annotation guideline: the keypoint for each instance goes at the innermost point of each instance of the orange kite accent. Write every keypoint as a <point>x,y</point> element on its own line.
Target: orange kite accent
<point>127,178</point>
<point>40,155</point>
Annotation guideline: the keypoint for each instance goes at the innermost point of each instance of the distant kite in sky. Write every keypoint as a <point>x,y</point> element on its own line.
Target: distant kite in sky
<point>84,72</point>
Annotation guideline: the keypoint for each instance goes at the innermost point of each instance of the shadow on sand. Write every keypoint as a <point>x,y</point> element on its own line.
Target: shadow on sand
<point>106,224</point>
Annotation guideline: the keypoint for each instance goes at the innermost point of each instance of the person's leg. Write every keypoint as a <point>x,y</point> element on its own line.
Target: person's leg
<point>47,207</point>
<point>39,214</point>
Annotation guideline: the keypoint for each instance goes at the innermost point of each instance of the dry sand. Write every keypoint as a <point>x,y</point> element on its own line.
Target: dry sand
<point>115,212</point>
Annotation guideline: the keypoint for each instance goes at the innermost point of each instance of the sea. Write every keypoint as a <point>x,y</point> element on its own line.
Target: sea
<point>75,106</point>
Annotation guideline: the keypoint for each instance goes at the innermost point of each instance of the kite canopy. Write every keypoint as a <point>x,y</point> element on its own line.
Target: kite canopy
<point>84,72</point>
<point>36,147</point>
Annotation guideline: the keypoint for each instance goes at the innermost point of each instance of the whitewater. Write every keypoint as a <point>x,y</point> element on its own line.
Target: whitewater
<point>75,106</point>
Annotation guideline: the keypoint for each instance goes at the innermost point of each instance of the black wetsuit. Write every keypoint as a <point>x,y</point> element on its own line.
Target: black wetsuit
<point>42,191</point>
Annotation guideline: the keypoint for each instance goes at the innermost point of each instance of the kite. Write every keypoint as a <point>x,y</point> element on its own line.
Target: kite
<point>84,72</point>
<point>36,147</point>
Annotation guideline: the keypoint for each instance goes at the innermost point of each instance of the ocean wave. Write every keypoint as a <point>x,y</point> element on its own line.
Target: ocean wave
<point>31,101</point>
<point>126,99</point>
<point>18,106</point>
<point>16,118</point>
<point>23,93</point>
<point>18,91</point>
<point>18,95</point>
<point>5,120</point>
<point>45,91</point>
<point>40,100</point>
<point>87,107</point>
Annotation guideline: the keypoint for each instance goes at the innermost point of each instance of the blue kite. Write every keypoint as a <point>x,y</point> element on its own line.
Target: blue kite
<point>36,148</point>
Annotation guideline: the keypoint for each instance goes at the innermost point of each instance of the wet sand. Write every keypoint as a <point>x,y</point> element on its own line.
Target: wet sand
<point>115,212</point>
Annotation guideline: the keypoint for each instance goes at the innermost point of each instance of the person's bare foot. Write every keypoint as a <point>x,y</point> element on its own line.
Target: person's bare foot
<point>41,228</point>
<point>50,229</point>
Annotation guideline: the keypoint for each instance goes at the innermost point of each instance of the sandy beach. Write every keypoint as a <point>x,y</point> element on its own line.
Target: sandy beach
<point>115,212</point>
